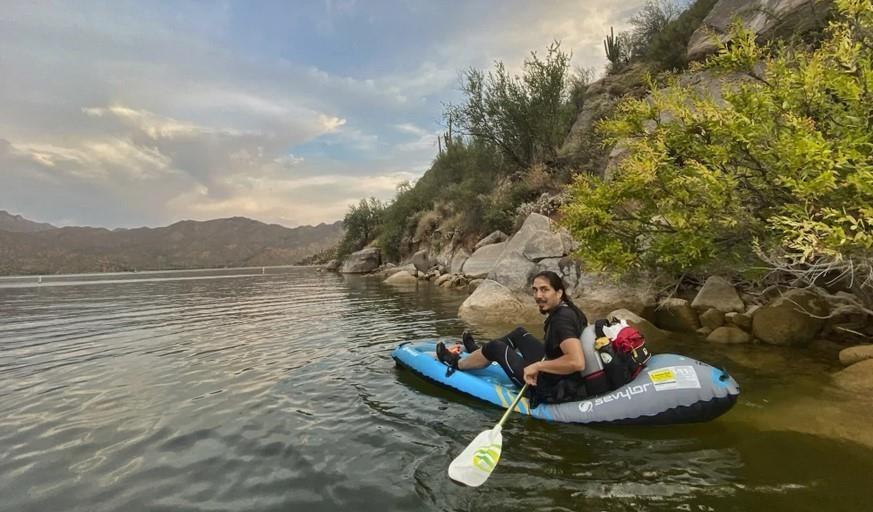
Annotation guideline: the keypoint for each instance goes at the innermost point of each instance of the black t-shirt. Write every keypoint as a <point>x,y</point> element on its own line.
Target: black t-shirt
<point>562,323</point>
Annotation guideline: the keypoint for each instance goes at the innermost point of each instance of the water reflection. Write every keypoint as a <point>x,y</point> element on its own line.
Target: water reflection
<point>276,391</point>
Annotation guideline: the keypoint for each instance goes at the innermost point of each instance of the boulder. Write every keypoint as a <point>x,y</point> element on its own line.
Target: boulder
<point>718,293</point>
<point>493,302</point>
<point>768,19</point>
<point>536,239</point>
<point>741,320</point>
<point>646,328</point>
<point>363,261</point>
<point>787,321</point>
<point>513,271</point>
<point>332,265</point>
<point>401,278</point>
<point>712,318</point>
<point>598,102</point>
<point>483,260</point>
<point>473,284</point>
<point>857,378</point>
<point>442,279</point>
<point>566,267</point>
<point>422,260</point>
<point>597,297</point>
<point>495,237</point>
<point>458,260</point>
<point>676,315</point>
<point>703,331</point>
<point>852,355</point>
<point>728,335</point>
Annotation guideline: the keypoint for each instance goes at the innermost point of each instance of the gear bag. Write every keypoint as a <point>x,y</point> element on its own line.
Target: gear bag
<point>622,350</point>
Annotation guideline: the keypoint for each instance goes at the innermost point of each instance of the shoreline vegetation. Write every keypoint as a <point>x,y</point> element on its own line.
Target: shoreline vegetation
<point>738,168</point>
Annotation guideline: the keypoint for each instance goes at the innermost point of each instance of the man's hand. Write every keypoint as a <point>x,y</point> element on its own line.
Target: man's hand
<point>530,373</point>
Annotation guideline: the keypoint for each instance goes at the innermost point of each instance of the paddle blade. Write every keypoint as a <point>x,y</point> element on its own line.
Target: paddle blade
<point>475,464</point>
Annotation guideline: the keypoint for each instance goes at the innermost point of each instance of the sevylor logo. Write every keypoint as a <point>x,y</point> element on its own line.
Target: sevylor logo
<point>627,394</point>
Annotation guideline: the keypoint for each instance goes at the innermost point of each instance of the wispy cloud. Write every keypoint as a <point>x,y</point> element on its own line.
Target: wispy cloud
<point>130,113</point>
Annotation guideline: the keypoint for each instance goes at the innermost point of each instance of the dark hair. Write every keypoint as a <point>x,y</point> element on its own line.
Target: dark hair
<point>557,283</point>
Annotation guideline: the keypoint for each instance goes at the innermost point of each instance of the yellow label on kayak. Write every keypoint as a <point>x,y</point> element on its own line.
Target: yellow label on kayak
<point>661,376</point>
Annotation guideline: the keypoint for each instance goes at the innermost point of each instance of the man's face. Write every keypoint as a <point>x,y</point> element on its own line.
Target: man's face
<point>546,297</point>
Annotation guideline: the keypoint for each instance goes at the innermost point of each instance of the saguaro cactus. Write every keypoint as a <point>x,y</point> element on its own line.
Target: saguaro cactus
<point>612,47</point>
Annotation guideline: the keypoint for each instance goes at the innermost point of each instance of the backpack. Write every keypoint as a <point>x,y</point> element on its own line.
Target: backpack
<point>622,350</point>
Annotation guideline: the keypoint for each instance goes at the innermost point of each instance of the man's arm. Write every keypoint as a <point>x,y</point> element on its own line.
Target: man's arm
<point>573,360</point>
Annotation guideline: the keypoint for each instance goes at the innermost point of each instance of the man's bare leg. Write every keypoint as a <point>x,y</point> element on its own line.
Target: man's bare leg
<point>474,361</point>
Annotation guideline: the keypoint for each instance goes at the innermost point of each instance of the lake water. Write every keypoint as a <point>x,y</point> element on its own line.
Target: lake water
<point>236,390</point>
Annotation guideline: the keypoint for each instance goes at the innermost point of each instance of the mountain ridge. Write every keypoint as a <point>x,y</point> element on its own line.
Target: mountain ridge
<point>186,244</point>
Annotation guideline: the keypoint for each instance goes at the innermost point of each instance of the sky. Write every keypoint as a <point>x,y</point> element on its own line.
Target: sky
<point>127,114</point>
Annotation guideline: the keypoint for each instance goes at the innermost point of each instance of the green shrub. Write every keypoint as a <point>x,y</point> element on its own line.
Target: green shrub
<point>782,172</point>
<point>661,32</point>
<point>526,117</point>
<point>362,223</point>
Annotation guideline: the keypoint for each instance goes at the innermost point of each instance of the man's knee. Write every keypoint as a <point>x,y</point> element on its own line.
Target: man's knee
<point>514,337</point>
<point>494,350</point>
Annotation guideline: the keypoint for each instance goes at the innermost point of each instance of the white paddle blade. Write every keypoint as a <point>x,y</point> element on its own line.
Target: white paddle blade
<point>475,464</point>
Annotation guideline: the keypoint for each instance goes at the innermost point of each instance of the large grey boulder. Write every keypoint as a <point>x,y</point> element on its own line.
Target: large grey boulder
<point>422,260</point>
<point>566,267</point>
<point>495,237</point>
<point>768,19</point>
<point>513,271</point>
<point>676,315</point>
<point>600,99</point>
<point>493,302</point>
<point>483,260</point>
<point>458,260</point>
<point>363,261</point>
<point>719,294</point>
<point>536,239</point>
<point>790,319</point>
<point>852,355</point>
<point>857,378</point>
<point>597,297</point>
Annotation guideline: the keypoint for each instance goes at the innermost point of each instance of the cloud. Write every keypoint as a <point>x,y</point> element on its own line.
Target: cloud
<point>116,115</point>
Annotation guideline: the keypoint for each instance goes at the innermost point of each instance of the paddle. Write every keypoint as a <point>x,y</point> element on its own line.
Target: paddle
<point>475,464</point>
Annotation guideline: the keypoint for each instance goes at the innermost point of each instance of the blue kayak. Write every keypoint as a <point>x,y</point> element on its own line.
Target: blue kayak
<point>670,389</point>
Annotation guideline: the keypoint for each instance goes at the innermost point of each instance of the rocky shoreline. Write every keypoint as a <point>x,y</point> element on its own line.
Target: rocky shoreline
<point>496,276</point>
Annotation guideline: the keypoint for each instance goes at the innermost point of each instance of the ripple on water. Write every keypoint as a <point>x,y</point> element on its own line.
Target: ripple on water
<point>277,392</point>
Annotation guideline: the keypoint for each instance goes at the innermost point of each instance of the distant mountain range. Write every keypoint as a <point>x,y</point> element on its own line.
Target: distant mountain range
<point>18,224</point>
<point>28,247</point>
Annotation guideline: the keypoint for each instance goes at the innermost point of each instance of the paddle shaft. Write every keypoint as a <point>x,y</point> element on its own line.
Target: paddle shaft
<point>512,406</point>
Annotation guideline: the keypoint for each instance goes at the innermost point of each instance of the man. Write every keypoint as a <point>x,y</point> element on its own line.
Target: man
<point>553,366</point>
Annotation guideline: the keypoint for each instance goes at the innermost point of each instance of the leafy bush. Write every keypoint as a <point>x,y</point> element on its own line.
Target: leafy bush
<point>526,117</point>
<point>362,223</point>
<point>661,32</point>
<point>782,170</point>
<point>668,48</point>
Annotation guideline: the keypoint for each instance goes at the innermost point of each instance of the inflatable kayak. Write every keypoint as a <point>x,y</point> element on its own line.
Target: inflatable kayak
<point>670,389</point>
